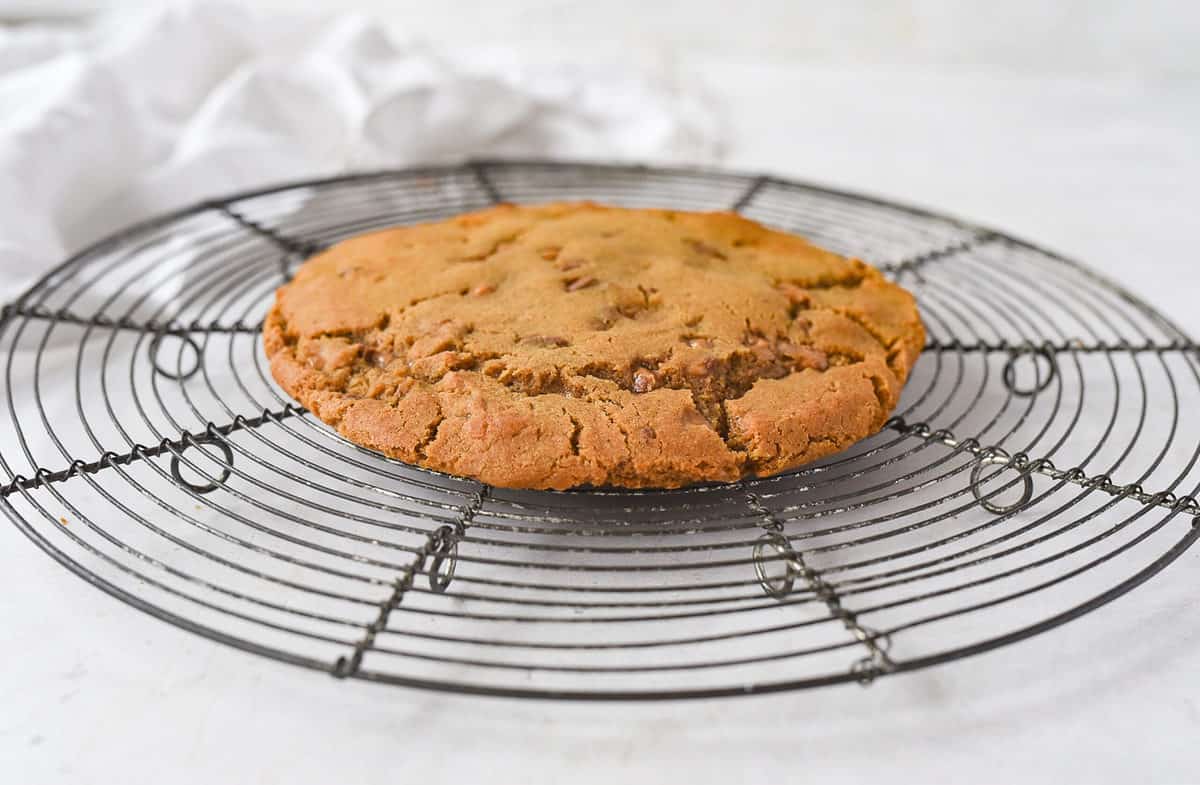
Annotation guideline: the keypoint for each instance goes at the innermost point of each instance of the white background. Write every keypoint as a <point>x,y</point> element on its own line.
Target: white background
<point>1079,36</point>
<point>1074,125</point>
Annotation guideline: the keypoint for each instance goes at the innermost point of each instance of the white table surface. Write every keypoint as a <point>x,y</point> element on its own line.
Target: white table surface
<point>1106,171</point>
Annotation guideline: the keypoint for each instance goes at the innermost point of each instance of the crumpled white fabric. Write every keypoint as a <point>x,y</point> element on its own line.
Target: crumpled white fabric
<point>150,110</point>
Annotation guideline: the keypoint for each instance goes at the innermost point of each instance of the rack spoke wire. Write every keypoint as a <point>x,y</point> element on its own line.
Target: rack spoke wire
<point>877,659</point>
<point>913,264</point>
<point>211,434</point>
<point>125,323</point>
<point>288,244</point>
<point>440,547</point>
<point>1065,347</point>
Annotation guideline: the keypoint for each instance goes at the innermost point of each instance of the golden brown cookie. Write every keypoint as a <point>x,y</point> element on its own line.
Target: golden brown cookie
<point>574,344</point>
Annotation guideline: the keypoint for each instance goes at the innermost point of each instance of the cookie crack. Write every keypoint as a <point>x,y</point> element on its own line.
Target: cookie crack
<point>576,429</point>
<point>831,441</point>
<point>418,300</point>
<point>879,387</point>
<point>431,432</point>
<point>871,329</point>
<point>770,463</point>
<point>628,459</point>
<point>730,443</point>
<point>852,280</point>
<point>496,247</point>
<point>729,378</point>
<point>382,322</point>
<point>866,324</point>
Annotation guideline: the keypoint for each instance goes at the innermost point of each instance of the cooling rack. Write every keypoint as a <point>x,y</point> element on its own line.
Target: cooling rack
<point>1042,463</point>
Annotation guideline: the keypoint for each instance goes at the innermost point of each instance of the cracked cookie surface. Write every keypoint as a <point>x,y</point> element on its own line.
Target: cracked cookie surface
<point>573,345</point>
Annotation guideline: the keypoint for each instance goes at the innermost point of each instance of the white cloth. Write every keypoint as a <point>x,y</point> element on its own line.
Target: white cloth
<point>151,110</point>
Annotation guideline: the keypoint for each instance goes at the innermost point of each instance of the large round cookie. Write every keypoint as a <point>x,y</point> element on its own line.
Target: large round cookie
<point>575,344</point>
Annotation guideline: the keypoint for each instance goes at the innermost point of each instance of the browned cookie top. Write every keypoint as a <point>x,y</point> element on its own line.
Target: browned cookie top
<point>575,344</point>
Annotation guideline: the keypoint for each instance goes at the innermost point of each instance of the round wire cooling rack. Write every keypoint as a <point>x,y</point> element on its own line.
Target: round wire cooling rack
<point>1042,463</point>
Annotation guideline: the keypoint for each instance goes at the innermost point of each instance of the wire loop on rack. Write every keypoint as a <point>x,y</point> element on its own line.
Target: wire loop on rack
<point>996,456</point>
<point>775,586</point>
<point>444,552</point>
<point>178,374</point>
<point>208,487</point>
<point>444,545</point>
<point>1009,374</point>
<point>878,661</point>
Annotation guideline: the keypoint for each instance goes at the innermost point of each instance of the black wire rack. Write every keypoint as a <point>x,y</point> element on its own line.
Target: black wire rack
<point>1042,463</point>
